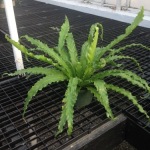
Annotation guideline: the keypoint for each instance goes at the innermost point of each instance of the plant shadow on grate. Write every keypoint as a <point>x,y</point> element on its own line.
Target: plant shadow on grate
<point>44,111</point>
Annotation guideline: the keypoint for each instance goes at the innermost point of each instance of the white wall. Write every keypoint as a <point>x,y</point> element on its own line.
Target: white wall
<point>133,3</point>
<point>139,3</point>
<point>114,2</point>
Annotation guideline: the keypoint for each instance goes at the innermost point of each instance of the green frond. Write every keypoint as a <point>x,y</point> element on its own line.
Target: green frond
<point>101,95</point>
<point>97,54</point>
<point>118,57</point>
<point>43,47</point>
<point>99,65</point>
<point>62,120</point>
<point>90,53</point>
<point>39,45</point>
<point>128,31</point>
<point>129,79</point>
<point>126,74</point>
<point>89,46</point>
<point>40,84</point>
<point>100,87</point>
<point>36,71</point>
<point>70,100</point>
<point>92,32</point>
<point>63,34</point>
<point>83,60</point>
<point>72,48</point>
<point>88,73</point>
<point>129,96</point>
<point>25,51</point>
<point>115,64</point>
<point>52,53</point>
<point>65,55</point>
<point>79,70</point>
<point>115,51</point>
<point>102,31</point>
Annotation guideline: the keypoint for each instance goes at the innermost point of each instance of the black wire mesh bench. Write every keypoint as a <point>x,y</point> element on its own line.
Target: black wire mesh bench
<point>40,20</point>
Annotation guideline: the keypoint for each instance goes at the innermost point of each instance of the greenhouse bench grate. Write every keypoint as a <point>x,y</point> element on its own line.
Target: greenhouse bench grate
<point>44,111</point>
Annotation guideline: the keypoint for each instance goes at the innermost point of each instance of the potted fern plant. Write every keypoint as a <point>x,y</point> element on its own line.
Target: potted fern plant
<point>86,70</point>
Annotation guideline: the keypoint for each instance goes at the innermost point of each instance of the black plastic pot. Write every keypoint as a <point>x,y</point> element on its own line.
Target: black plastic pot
<point>84,98</point>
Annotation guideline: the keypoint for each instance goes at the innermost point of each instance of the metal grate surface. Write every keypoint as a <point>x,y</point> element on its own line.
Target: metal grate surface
<point>40,20</point>
<point>132,112</point>
<point>138,118</point>
<point>43,115</point>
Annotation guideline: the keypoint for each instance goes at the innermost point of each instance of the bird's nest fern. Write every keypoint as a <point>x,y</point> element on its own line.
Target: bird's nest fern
<point>82,71</point>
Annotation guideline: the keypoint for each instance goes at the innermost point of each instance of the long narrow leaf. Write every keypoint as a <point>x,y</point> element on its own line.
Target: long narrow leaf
<point>92,31</point>
<point>65,55</point>
<point>70,100</point>
<point>118,57</point>
<point>53,54</point>
<point>102,97</point>
<point>43,47</point>
<point>129,96</point>
<point>126,74</point>
<point>83,60</point>
<point>87,44</point>
<point>40,45</point>
<point>39,85</point>
<point>72,49</point>
<point>128,31</point>
<point>63,34</point>
<point>115,51</point>
<point>100,86</point>
<point>90,54</point>
<point>62,120</point>
<point>36,71</point>
<point>25,51</point>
